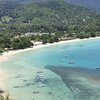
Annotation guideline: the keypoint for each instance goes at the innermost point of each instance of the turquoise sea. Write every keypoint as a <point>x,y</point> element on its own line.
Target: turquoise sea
<point>74,74</point>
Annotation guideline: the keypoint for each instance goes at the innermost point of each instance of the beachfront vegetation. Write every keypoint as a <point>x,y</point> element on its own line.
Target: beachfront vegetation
<point>7,41</point>
<point>49,39</point>
<point>53,16</point>
<point>21,43</point>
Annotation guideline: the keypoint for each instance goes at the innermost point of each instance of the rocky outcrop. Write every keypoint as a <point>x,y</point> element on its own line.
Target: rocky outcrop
<point>4,95</point>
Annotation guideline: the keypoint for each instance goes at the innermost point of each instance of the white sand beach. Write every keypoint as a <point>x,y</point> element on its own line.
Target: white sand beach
<point>6,55</point>
<point>2,78</point>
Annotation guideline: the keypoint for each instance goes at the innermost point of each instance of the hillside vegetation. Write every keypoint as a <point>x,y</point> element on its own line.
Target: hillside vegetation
<point>49,16</point>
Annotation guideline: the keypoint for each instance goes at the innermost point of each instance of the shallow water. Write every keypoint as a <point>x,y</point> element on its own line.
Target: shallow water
<point>83,83</point>
<point>22,69</point>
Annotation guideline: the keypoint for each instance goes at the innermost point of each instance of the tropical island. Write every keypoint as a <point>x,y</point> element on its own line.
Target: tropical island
<point>27,25</point>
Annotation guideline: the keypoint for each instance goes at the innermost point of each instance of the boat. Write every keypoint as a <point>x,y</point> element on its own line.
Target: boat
<point>66,56</point>
<point>62,60</point>
<point>71,62</point>
<point>16,86</point>
<point>35,92</point>
<point>98,68</point>
<point>41,85</point>
<point>40,72</point>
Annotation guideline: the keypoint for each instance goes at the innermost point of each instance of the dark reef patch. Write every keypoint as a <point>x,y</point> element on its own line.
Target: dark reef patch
<point>83,83</point>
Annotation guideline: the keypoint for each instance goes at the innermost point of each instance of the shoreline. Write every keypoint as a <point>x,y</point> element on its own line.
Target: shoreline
<point>10,53</point>
<point>7,55</point>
